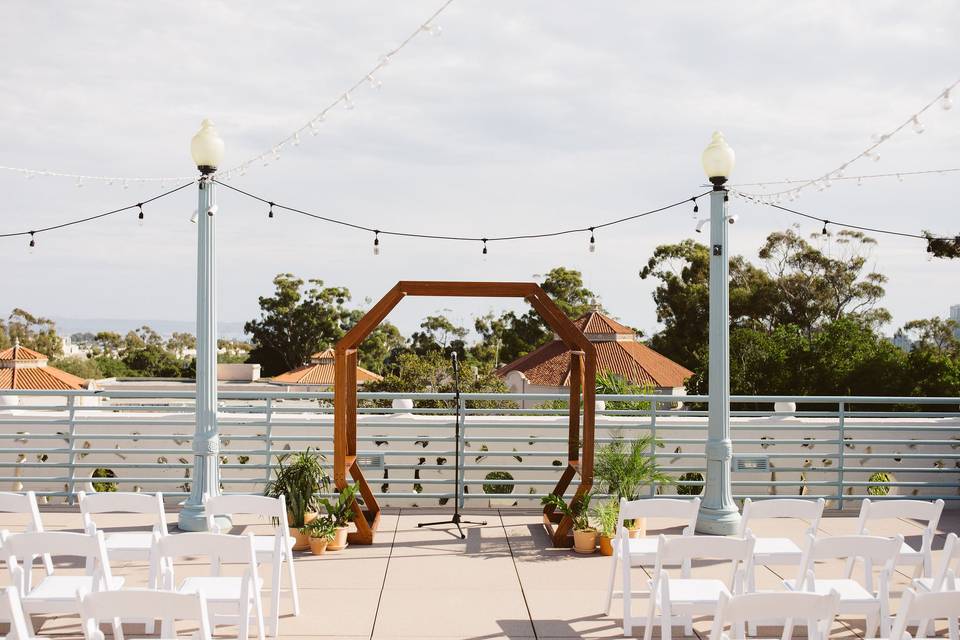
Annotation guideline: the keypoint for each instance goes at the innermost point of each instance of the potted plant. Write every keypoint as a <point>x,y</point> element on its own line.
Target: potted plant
<point>299,481</point>
<point>584,536</point>
<point>623,467</point>
<point>340,514</point>
<point>606,518</point>
<point>320,532</point>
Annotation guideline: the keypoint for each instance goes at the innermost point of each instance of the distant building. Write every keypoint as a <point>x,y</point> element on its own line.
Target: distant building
<point>901,341</point>
<point>547,369</point>
<point>955,316</point>
<point>26,369</point>
<point>318,374</point>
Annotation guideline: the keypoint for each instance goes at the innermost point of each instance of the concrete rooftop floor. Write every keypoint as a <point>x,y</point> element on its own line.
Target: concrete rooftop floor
<point>503,581</point>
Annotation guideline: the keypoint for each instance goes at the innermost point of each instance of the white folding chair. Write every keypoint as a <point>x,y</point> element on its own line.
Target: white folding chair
<point>57,593</point>
<point>126,545</point>
<point>927,606</point>
<point>778,551</point>
<point>11,610</point>
<point>815,610</point>
<point>25,503</point>
<point>926,512</point>
<point>643,550</point>
<point>115,607</point>
<point>228,597</point>
<point>855,598</point>
<point>944,577</point>
<point>275,549</point>
<point>676,601</point>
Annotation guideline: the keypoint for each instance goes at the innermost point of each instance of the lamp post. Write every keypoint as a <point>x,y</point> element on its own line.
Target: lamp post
<point>206,147</point>
<point>718,512</point>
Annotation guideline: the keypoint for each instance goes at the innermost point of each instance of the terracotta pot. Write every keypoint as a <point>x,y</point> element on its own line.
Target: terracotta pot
<point>302,539</point>
<point>318,546</point>
<point>339,540</point>
<point>585,540</point>
<point>606,546</point>
<point>638,529</point>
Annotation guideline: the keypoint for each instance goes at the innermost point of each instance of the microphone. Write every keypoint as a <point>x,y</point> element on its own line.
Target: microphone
<point>455,362</point>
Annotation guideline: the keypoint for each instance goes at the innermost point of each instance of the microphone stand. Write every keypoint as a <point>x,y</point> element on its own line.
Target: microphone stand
<point>456,519</point>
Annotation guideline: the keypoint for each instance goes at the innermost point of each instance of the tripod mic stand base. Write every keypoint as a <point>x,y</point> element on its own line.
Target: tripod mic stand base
<point>457,520</point>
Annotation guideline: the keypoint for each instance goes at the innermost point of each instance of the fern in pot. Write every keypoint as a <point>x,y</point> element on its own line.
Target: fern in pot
<point>299,477</point>
<point>624,467</point>
<point>341,513</point>
<point>584,535</point>
<point>605,516</point>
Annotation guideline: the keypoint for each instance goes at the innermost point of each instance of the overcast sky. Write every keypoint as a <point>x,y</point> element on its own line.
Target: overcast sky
<point>523,116</point>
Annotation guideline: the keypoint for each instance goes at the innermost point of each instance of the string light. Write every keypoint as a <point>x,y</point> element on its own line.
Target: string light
<point>270,212</point>
<point>425,27</point>
<point>917,125</point>
<point>376,243</point>
<point>879,139</point>
<point>593,241</point>
<point>823,232</point>
<point>140,215</point>
<point>837,176</point>
<point>484,246</point>
<point>696,207</point>
<point>33,242</point>
<point>139,205</point>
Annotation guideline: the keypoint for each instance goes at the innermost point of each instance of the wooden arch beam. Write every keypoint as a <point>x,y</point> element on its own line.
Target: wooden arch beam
<point>583,370</point>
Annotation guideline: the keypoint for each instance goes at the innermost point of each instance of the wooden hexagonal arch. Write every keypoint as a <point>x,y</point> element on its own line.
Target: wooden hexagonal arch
<point>583,371</point>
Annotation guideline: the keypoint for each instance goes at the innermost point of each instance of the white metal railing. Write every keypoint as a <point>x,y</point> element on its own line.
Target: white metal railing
<point>835,447</point>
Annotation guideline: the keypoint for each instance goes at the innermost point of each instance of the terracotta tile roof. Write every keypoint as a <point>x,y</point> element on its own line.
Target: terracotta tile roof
<point>549,365</point>
<point>39,378</point>
<point>320,374</point>
<point>18,353</point>
<point>322,355</point>
<point>596,322</point>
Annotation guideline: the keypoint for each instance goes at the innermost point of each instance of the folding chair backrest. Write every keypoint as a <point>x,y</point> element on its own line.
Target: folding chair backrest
<point>936,605</point>
<point>814,609</point>
<point>683,550</point>
<point>949,565</point>
<point>685,510</point>
<point>20,549</point>
<point>22,503</point>
<point>227,505</point>
<point>873,550</point>
<point>136,605</point>
<point>811,510</point>
<point>923,510</point>
<point>106,502</point>
<point>12,611</point>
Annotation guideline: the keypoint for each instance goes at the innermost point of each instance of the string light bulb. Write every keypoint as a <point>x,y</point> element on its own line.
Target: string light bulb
<point>348,102</point>
<point>140,215</point>
<point>696,207</point>
<point>376,243</point>
<point>296,139</point>
<point>374,82</point>
<point>917,125</point>
<point>945,102</point>
<point>484,246</point>
<point>593,241</point>
<point>270,212</point>
<point>33,243</point>
<point>823,232</point>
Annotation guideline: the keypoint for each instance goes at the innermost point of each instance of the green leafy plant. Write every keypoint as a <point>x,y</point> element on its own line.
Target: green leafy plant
<point>880,489</point>
<point>341,511</point>
<point>578,510</point>
<point>622,467</point>
<point>322,528</point>
<point>494,487</point>
<point>104,487</point>
<point>605,516</point>
<point>299,480</point>
<point>690,489</point>
<point>610,383</point>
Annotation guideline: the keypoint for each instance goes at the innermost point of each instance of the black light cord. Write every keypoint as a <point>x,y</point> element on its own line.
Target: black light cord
<point>137,205</point>
<point>835,223</point>
<point>431,236</point>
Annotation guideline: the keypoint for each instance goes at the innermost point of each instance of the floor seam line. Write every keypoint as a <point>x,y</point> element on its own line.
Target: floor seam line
<point>506,536</point>
<point>386,572</point>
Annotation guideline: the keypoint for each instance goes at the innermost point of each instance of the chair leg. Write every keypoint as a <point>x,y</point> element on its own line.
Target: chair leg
<point>688,625</point>
<point>150,626</point>
<point>275,598</point>
<point>292,575</point>
<point>258,610</point>
<point>244,622</point>
<point>923,628</point>
<point>613,579</point>
<point>871,625</point>
<point>752,588</point>
<point>666,621</point>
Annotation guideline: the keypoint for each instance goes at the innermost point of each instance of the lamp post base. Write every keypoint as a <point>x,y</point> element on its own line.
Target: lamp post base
<point>194,518</point>
<point>718,522</point>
